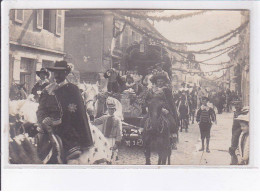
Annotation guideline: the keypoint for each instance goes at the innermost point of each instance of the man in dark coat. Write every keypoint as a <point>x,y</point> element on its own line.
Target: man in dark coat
<point>61,107</point>
<point>41,84</point>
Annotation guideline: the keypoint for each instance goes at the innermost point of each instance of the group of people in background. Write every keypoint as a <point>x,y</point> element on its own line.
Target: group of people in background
<point>188,104</point>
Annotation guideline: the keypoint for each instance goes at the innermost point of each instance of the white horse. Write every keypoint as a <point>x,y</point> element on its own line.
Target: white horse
<point>99,153</point>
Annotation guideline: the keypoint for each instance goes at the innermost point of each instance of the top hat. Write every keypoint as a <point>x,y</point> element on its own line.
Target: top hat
<point>60,66</point>
<point>43,70</point>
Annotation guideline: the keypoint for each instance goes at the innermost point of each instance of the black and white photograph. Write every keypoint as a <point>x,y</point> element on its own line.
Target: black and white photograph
<point>129,87</point>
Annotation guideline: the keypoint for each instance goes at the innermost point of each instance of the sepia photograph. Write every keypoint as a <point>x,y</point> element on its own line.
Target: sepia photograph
<point>129,87</point>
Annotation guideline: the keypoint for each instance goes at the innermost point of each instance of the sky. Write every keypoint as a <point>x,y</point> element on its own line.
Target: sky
<point>201,27</point>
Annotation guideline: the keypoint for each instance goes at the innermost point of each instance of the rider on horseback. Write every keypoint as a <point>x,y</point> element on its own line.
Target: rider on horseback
<point>161,89</point>
<point>62,112</point>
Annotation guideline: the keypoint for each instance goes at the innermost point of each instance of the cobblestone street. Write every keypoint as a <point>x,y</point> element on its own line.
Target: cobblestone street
<point>188,146</point>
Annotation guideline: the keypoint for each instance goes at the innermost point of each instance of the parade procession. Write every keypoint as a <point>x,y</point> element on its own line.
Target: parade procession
<point>129,87</point>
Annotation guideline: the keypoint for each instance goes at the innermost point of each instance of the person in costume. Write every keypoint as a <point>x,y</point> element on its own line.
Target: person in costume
<point>205,116</point>
<point>43,74</point>
<point>160,81</point>
<point>61,109</point>
<point>111,126</point>
<point>242,151</point>
<point>236,131</point>
<point>114,80</point>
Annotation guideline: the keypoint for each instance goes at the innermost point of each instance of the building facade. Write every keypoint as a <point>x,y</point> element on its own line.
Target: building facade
<point>36,40</point>
<point>239,73</point>
<point>96,40</point>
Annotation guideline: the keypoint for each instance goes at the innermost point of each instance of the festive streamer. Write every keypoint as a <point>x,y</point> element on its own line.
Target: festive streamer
<point>180,51</point>
<point>158,18</point>
<point>240,28</point>
<point>202,72</point>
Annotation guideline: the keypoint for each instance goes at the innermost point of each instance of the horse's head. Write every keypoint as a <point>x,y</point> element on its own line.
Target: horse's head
<point>90,97</point>
<point>155,106</point>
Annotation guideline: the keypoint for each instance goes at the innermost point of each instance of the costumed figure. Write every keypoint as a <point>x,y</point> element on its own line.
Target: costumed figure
<point>205,116</point>
<point>161,90</point>
<point>111,127</point>
<point>43,74</point>
<point>62,114</point>
<point>113,80</point>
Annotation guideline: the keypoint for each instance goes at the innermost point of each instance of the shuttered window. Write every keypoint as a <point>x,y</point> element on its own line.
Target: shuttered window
<point>58,22</point>
<point>19,15</point>
<point>39,18</point>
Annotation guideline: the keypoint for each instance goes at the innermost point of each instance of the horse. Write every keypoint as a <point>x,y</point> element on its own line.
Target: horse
<point>158,129</point>
<point>23,120</point>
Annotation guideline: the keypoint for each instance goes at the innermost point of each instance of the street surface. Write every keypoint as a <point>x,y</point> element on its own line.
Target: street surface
<point>188,146</point>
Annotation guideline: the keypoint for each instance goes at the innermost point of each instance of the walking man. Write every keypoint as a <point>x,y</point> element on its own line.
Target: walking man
<point>205,116</point>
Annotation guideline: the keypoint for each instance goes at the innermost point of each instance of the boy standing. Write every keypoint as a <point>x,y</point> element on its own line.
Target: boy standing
<point>112,126</point>
<point>205,116</point>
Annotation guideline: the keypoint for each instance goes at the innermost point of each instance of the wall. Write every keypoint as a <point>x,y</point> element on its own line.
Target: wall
<point>84,42</point>
<point>27,33</point>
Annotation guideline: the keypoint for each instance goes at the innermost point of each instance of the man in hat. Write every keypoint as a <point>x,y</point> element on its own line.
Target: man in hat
<point>43,74</point>
<point>62,109</point>
<point>242,151</point>
<point>111,126</point>
<point>160,88</point>
<point>236,131</point>
<point>205,116</point>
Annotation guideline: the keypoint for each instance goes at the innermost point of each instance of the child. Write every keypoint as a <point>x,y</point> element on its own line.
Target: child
<point>205,116</point>
<point>242,151</point>
<point>112,126</point>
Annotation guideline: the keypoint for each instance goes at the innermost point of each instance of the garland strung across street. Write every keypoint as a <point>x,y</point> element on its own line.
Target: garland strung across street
<point>144,16</point>
<point>161,41</point>
<point>202,73</point>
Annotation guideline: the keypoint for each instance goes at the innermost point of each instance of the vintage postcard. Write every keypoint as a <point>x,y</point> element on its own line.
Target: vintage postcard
<point>129,87</point>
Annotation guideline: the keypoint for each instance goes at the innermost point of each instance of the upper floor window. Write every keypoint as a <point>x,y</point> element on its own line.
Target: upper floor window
<point>19,15</point>
<point>58,22</point>
<point>40,19</point>
<point>47,19</point>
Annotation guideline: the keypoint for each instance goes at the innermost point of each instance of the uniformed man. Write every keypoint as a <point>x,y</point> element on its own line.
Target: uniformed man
<point>62,109</point>
<point>43,74</point>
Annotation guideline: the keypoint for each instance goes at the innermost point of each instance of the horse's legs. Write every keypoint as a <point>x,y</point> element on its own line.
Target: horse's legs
<point>147,148</point>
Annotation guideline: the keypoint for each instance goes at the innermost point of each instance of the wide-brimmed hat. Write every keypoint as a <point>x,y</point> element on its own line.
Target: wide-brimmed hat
<point>157,76</point>
<point>43,70</point>
<point>243,118</point>
<point>60,66</point>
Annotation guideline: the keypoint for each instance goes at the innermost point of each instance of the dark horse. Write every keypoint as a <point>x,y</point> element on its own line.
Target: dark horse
<point>157,131</point>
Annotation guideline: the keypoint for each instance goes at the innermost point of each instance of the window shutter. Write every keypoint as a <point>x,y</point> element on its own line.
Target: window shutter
<point>19,15</point>
<point>39,19</point>
<point>58,22</point>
